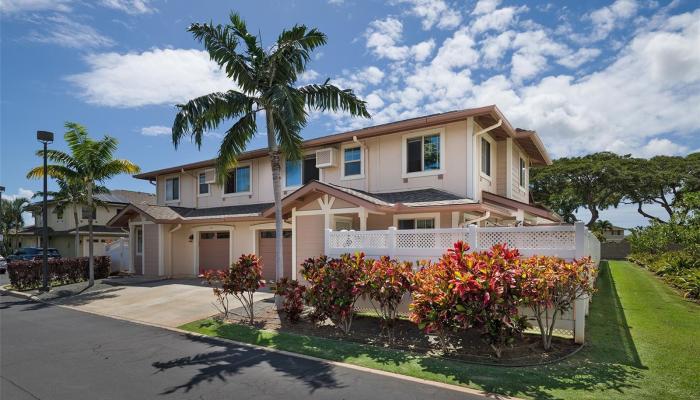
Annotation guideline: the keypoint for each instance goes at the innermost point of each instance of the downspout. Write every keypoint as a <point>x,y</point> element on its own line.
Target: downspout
<point>365,150</point>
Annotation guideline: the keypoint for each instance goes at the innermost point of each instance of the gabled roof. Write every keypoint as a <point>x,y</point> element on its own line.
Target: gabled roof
<point>119,196</point>
<point>169,214</point>
<point>484,116</point>
<point>403,201</point>
<point>488,197</point>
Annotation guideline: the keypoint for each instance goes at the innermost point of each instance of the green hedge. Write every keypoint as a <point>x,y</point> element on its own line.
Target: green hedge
<point>680,269</point>
<point>28,274</point>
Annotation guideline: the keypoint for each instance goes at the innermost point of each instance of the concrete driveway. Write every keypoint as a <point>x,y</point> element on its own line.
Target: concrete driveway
<point>170,303</point>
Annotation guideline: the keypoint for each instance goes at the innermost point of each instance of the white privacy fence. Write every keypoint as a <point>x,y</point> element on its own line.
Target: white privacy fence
<point>564,241</point>
<point>118,252</point>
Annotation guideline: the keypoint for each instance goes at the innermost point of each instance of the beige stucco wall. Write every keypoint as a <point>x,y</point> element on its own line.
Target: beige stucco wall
<point>310,238</point>
<point>103,214</point>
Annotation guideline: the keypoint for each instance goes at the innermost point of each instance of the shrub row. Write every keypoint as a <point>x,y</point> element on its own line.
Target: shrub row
<point>62,271</point>
<point>680,269</point>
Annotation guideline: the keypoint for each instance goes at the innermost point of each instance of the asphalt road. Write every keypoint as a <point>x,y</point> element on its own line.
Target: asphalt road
<point>50,352</point>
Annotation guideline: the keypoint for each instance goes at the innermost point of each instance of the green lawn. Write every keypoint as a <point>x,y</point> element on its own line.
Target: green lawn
<point>643,343</point>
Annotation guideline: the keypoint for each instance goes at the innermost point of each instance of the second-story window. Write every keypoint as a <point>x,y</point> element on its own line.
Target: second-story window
<point>238,180</point>
<point>203,185</point>
<point>172,189</point>
<point>423,153</point>
<point>292,172</point>
<point>85,213</point>
<point>485,157</point>
<point>59,214</point>
<point>523,170</point>
<point>352,161</point>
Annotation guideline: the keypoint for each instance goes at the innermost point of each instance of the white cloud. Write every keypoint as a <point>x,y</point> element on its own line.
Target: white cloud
<point>485,6</point>
<point>384,36</point>
<point>434,13</point>
<point>130,6</point>
<point>657,147</point>
<point>336,2</point>
<point>608,18</point>
<point>155,130</point>
<point>159,76</point>
<point>19,6</point>
<point>530,58</point>
<point>579,57</point>
<point>497,20</point>
<point>63,31</point>
<point>308,76</point>
<point>22,193</point>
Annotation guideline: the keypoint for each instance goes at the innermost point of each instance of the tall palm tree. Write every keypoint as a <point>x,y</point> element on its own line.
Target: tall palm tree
<point>90,163</point>
<point>266,80</point>
<point>73,193</point>
<point>12,216</point>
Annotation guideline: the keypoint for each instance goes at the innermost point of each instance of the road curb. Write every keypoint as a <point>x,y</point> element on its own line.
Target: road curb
<point>442,385</point>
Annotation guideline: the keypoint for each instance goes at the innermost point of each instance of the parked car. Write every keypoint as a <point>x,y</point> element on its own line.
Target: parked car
<point>32,253</point>
<point>3,265</point>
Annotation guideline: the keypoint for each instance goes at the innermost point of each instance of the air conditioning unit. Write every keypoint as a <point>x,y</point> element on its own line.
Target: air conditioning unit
<point>326,158</point>
<point>209,176</point>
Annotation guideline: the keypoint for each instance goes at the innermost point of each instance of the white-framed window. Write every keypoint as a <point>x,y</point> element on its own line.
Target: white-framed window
<point>238,181</point>
<point>342,223</point>
<point>85,213</point>
<point>423,153</point>
<point>203,186</point>
<point>300,172</point>
<point>139,240</point>
<point>417,221</point>
<point>352,162</point>
<point>523,172</point>
<point>172,189</point>
<point>485,157</point>
<point>59,214</point>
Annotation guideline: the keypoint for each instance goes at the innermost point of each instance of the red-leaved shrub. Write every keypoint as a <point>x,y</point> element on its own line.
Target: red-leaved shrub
<point>62,271</point>
<point>384,282</point>
<point>293,294</point>
<point>333,287</point>
<point>241,280</point>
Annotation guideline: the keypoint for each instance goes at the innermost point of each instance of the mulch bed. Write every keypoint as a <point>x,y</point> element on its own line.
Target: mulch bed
<point>468,345</point>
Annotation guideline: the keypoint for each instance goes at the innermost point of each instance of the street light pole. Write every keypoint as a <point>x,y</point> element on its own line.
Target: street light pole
<point>45,138</point>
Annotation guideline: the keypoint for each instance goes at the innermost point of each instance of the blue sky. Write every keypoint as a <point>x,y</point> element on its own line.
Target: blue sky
<point>587,75</point>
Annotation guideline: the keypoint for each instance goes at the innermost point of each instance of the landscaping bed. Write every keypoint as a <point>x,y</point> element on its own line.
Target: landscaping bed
<point>468,345</point>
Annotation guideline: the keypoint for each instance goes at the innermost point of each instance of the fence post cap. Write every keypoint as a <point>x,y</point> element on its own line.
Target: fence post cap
<point>392,228</point>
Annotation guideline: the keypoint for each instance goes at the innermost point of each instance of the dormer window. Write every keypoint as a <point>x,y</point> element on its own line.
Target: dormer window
<point>172,189</point>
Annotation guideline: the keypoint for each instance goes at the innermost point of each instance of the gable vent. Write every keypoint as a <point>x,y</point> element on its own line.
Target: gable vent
<point>326,158</point>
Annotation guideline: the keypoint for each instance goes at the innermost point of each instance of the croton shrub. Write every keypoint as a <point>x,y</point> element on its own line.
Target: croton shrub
<point>333,287</point>
<point>293,294</point>
<point>62,271</point>
<point>385,281</point>
<point>241,280</point>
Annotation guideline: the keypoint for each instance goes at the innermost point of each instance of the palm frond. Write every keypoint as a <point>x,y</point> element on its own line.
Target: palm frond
<point>205,113</point>
<point>235,141</point>
<point>54,171</point>
<point>329,97</point>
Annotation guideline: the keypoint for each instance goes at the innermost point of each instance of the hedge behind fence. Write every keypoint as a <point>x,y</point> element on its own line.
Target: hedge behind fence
<point>62,271</point>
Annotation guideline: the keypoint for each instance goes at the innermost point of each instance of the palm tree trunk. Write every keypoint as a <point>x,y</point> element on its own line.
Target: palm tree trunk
<point>91,261</point>
<point>277,191</point>
<point>77,232</point>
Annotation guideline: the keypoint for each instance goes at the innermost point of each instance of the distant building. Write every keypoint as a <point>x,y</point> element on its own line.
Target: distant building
<point>614,234</point>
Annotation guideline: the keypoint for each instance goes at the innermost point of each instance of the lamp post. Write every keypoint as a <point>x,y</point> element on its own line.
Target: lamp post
<point>45,138</point>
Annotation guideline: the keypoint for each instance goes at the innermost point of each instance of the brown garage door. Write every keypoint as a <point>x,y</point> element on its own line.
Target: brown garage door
<point>213,250</point>
<point>266,247</point>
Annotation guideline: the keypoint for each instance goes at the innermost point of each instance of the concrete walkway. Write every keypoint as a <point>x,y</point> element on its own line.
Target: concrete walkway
<point>168,303</point>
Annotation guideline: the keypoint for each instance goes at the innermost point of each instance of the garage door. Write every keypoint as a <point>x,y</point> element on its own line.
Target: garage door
<point>213,250</point>
<point>266,250</point>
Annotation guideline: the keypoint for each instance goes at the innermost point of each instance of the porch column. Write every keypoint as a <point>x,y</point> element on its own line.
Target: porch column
<point>363,218</point>
<point>195,243</point>
<point>132,248</point>
<point>231,257</point>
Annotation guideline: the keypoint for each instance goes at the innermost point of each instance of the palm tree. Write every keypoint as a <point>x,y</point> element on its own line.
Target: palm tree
<point>12,216</point>
<point>600,227</point>
<point>266,81</point>
<point>72,192</point>
<point>90,162</point>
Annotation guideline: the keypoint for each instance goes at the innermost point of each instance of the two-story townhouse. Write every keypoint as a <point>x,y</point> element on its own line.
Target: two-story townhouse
<point>439,171</point>
<point>62,225</point>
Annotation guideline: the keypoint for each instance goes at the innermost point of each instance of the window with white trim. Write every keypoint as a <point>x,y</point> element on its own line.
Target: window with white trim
<point>416,223</point>
<point>139,240</point>
<point>486,157</point>
<point>352,161</point>
<point>300,172</point>
<point>238,180</point>
<point>172,189</point>
<point>423,153</point>
<point>203,185</point>
<point>85,213</point>
<point>523,170</point>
